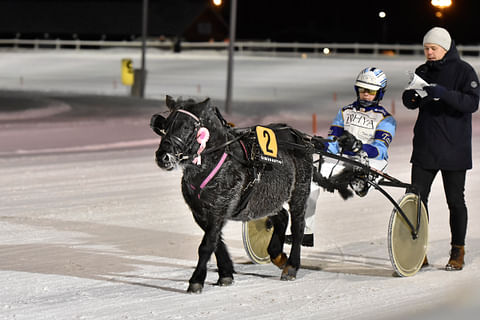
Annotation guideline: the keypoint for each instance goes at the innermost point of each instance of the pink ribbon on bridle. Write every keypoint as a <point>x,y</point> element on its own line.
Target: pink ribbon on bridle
<point>202,137</point>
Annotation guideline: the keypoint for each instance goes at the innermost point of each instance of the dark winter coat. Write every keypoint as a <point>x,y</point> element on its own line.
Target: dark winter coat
<point>443,130</point>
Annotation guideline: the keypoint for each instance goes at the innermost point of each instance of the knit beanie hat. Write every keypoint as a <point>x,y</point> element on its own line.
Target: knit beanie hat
<point>438,36</point>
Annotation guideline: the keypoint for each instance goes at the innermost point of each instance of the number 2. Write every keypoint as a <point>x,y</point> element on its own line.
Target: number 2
<point>267,135</point>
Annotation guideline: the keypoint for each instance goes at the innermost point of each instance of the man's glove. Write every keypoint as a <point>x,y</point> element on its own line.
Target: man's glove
<point>435,91</point>
<point>348,142</point>
<point>411,99</point>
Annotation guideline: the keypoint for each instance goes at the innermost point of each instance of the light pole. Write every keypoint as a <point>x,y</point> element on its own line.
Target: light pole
<point>231,49</point>
<point>144,47</point>
<point>383,18</point>
<point>140,75</point>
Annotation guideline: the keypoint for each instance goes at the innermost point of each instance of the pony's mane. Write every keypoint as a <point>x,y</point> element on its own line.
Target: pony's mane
<point>184,103</point>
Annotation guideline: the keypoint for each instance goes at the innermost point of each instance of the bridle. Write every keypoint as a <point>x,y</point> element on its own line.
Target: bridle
<point>179,146</point>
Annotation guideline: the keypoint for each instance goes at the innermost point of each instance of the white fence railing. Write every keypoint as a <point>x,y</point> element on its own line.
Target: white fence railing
<point>241,46</point>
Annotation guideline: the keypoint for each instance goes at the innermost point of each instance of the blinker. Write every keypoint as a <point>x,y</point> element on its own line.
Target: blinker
<point>158,124</point>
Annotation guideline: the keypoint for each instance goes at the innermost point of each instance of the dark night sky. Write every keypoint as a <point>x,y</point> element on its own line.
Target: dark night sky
<point>343,21</point>
<point>277,20</point>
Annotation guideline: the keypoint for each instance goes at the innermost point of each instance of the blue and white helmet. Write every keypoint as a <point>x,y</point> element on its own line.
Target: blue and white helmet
<point>374,79</point>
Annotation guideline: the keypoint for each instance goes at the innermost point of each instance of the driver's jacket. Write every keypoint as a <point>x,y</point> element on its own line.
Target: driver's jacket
<point>373,125</point>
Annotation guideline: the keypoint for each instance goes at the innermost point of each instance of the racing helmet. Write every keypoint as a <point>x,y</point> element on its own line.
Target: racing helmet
<point>373,79</point>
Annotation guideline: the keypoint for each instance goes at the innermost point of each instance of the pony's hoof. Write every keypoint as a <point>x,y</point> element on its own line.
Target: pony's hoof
<point>225,281</point>
<point>195,288</point>
<point>289,273</point>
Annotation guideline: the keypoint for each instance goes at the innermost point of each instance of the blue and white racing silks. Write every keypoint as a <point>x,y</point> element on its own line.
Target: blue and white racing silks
<point>373,125</point>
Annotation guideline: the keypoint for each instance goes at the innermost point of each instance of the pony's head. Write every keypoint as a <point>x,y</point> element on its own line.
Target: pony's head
<point>183,133</point>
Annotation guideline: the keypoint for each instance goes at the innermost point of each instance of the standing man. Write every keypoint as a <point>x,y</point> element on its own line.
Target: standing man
<point>443,131</point>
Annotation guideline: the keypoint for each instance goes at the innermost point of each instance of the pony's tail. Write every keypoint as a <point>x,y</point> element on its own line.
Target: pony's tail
<point>338,182</point>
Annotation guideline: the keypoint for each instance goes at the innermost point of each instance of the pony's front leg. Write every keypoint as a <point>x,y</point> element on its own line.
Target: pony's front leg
<point>205,250</point>
<point>224,263</point>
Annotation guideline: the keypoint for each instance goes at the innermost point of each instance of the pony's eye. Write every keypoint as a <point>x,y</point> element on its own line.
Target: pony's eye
<point>186,127</point>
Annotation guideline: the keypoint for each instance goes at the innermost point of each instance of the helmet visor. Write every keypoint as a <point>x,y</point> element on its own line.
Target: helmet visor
<point>369,91</point>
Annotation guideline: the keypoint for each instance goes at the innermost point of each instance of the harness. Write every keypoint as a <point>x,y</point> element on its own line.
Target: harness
<point>252,154</point>
<point>253,157</point>
<point>202,136</point>
<point>210,175</point>
<point>255,171</point>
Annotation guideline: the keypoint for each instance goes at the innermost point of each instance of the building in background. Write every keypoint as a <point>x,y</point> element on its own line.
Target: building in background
<point>190,20</point>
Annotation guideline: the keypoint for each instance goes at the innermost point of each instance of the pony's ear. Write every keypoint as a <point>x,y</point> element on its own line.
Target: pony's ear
<point>206,106</point>
<point>171,103</point>
<point>206,102</point>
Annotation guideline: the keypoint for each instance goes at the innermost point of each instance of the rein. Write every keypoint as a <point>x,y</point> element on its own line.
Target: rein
<point>227,143</point>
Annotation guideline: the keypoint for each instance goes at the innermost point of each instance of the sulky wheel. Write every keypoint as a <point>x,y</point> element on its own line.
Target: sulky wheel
<point>407,253</point>
<point>256,238</point>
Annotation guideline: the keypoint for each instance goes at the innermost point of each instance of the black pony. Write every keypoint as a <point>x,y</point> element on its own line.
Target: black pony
<point>224,178</point>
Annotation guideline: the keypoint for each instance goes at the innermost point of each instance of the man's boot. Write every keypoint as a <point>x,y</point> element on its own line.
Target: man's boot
<point>456,261</point>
